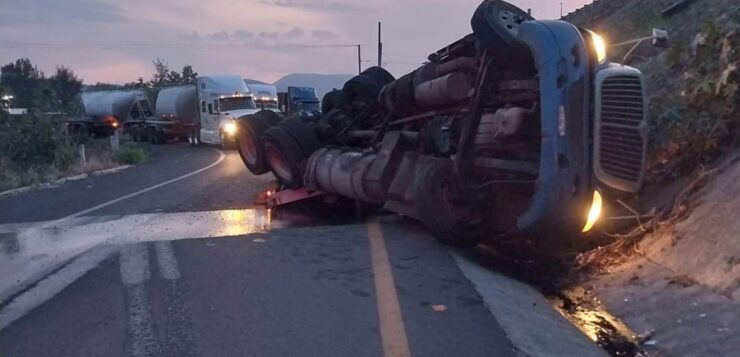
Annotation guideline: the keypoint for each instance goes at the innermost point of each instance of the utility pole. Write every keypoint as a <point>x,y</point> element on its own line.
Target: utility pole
<point>359,60</point>
<point>380,46</point>
<point>561,10</point>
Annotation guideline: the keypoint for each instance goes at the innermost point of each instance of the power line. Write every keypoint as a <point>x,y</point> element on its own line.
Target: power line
<point>164,46</point>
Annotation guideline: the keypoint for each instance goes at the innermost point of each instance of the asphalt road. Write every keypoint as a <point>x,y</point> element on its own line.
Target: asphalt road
<point>193,268</point>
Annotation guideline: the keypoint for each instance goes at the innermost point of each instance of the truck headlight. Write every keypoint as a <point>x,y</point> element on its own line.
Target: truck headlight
<point>599,47</point>
<point>230,128</point>
<point>594,213</point>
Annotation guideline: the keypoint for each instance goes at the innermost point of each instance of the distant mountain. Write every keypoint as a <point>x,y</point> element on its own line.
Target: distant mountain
<point>323,83</point>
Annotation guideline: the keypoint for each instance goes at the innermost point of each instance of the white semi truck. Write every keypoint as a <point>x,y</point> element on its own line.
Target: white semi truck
<point>265,96</point>
<point>207,111</point>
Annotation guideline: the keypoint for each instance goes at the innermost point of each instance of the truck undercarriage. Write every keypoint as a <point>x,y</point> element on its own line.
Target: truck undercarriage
<point>515,128</point>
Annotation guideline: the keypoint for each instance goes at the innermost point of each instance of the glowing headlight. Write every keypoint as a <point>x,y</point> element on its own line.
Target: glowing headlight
<point>594,213</point>
<point>230,128</point>
<point>599,47</point>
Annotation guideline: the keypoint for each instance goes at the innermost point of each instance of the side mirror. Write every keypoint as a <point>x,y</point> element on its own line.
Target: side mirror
<point>660,38</point>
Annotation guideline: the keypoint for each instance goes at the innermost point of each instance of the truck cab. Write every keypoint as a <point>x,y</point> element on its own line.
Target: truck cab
<point>300,101</point>
<point>222,99</point>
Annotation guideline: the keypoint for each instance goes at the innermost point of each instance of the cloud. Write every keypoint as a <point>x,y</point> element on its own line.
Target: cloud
<point>242,35</point>
<point>294,33</point>
<point>314,5</point>
<point>219,36</point>
<point>323,35</point>
<point>55,12</point>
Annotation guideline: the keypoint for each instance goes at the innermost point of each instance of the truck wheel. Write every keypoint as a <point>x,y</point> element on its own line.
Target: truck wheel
<point>154,136</point>
<point>451,216</point>
<point>379,75</point>
<point>248,143</point>
<point>331,100</point>
<point>361,88</point>
<point>284,157</point>
<point>304,134</point>
<point>496,25</point>
<point>269,117</point>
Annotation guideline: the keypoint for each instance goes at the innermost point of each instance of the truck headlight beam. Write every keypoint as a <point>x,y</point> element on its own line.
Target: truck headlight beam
<point>594,213</point>
<point>230,129</point>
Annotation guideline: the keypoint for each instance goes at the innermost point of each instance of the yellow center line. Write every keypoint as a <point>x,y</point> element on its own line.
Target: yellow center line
<point>392,330</point>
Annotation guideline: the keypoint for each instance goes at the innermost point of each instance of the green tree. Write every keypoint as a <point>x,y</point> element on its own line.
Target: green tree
<point>22,79</point>
<point>65,86</point>
<point>188,74</point>
<point>161,73</point>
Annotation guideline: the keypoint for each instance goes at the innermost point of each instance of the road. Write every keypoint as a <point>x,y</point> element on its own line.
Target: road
<point>173,258</point>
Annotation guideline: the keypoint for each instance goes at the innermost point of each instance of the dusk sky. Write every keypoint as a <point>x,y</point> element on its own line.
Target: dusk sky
<point>115,41</point>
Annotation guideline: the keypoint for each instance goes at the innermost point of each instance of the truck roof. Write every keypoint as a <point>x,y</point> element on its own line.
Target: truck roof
<point>223,85</point>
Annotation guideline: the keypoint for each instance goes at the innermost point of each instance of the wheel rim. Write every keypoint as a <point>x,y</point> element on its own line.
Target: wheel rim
<point>248,147</point>
<point>277,162</point>
<point>509,21</point>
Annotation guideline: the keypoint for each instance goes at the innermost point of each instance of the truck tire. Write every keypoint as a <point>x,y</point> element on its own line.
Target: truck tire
<point>452,218</point>
<point>251,128</point>
<point>361,88</point>
<point>284,156</point>
<point>331,100</point>
<point>269,117</point>
<point>304,134</point>
<point>379,75</point>
<point>496,25</point>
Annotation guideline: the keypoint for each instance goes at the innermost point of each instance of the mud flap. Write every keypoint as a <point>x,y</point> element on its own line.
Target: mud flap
<point>401,194</point>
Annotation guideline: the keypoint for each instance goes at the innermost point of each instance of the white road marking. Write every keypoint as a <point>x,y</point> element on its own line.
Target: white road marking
<point>17,274</point>
<point>29,253</point>
<point>221,158</point>
<point>167,262</point>
<point>134,264</point>
<point>392,330</point>
<point>52,285</point>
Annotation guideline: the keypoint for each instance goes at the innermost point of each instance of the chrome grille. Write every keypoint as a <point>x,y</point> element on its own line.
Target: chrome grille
<point>621,128</point>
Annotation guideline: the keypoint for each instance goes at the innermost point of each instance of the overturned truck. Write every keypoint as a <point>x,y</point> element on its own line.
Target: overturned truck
<point>523,126</point>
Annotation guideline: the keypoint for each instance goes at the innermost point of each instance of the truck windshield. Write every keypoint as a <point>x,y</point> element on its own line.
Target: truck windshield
<point>266,104</point>
<point>308,106</point>
<point>236,103</point>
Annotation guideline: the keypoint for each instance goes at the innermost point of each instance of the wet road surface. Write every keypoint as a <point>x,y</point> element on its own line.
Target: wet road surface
<point>194,268</point>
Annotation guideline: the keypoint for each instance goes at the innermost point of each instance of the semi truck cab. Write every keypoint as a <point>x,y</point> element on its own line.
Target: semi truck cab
<point>222,100</point>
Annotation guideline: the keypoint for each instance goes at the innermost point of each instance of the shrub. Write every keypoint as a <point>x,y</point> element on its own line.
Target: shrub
<point>30,141</point>
<point>695,124</point>
<point>131,154</point>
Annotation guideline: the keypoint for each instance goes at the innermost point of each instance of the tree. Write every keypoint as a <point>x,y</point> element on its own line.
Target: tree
<point>65,86</point>
<point>188,74</point>
<point>174,77</point>
<point>22,79</point>
<point>161,73</point>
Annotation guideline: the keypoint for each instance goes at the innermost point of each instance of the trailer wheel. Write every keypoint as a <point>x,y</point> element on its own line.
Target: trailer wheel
<point>248,143</point>
<point>450,215</point>
<point>284,157</point>
<point>496,25</point>
<point>304,134</point>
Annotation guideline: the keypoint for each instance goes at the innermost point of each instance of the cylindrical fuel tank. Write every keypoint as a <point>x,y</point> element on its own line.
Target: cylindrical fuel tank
<point>340,171</point>
<point>443,91</point>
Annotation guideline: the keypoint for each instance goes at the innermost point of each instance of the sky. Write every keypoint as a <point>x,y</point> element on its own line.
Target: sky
<point>116,41</point>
